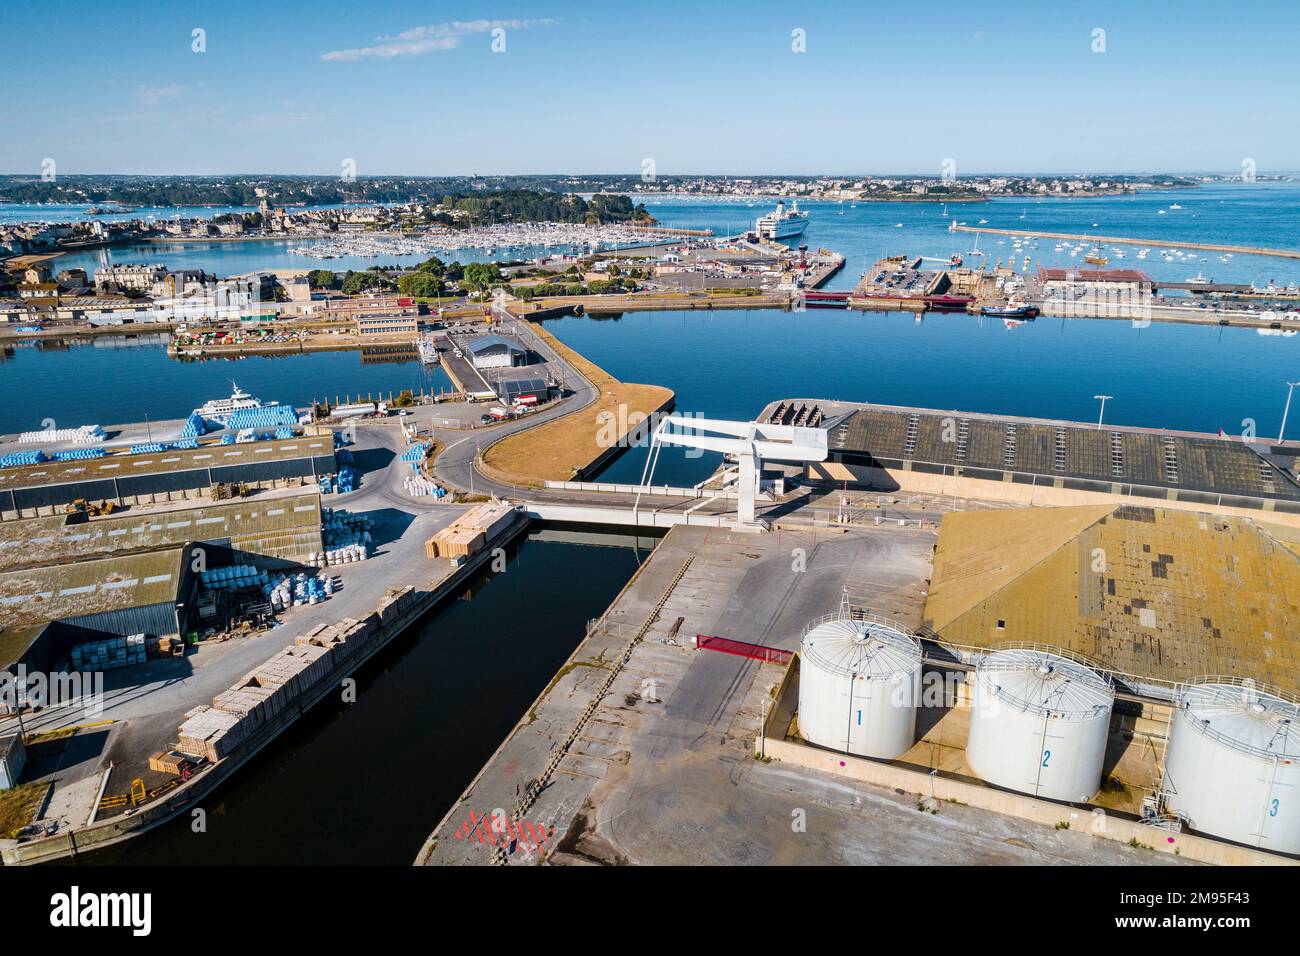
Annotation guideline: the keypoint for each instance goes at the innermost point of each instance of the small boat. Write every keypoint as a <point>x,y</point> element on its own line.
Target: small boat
<point>1175,206</point>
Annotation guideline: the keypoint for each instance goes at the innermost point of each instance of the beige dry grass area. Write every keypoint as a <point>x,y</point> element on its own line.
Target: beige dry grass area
<point>557,450</point>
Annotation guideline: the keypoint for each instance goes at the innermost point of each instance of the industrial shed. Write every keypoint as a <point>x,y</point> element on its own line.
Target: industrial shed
<point>142,478</point>
<point>137,594</point>
<point>879,443</point>
<point>526,389</point>
<point>279,527</point>
<point>495,351</point>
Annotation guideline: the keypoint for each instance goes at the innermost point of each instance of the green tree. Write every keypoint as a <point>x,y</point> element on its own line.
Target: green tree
<point>422,285</point>
<point>481,276</point>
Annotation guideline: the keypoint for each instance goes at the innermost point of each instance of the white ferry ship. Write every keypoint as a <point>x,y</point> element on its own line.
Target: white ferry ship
<point>782,223</point>
<point>220,409</point>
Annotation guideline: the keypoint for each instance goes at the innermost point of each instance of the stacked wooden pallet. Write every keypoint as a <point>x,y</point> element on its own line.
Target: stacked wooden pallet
<point>394,602</point>
<point>254,701</point>
<point>168,761</point>
<point>469,533</point>
<point>210,733</point>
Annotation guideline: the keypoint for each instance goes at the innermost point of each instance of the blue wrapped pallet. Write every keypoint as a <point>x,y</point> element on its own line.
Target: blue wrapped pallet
<point>17,459</point>
<point>79,454</point>
<point>194,426</point>
<point>268,416</point>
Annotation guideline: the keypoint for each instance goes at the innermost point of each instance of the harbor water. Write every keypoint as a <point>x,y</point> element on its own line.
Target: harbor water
<point>113,380</point>
<point>363,783</point>
<point>730,364</point>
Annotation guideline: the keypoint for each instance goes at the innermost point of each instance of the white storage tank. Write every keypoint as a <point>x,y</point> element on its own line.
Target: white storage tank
<point>859,687</point>
<point>1038,724</point>
<point>1232,765</point>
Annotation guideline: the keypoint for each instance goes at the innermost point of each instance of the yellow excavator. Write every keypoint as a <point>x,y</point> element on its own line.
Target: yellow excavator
<point>81,507</point>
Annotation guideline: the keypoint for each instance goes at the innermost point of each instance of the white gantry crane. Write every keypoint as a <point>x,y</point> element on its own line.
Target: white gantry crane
<point>750,443</point>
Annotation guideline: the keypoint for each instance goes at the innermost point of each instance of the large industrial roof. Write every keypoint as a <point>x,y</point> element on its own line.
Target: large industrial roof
<point>1114,455</point>
<point>56,539</point>
<point>88,587</point>
<point>491,342</point>
<point>212,455</point>
<point>1154,593</point>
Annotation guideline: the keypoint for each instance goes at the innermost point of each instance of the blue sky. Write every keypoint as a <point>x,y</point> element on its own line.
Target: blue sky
<point>599,87</point>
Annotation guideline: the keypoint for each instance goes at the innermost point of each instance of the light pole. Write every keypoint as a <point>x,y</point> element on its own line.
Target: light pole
<point>1290,387</point>
<point>1102,399</point>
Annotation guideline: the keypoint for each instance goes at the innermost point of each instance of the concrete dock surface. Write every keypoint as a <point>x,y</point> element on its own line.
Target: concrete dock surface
<point>662,770</point>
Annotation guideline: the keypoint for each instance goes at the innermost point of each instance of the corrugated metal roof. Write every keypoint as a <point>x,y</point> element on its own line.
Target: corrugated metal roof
<point>211,455</point>
<point>89,587</point>
<point>488,342</point>
<point>1121,455</point>
<point>53,540</point>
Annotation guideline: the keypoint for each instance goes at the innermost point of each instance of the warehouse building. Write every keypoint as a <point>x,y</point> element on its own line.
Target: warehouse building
<point>495,351</point>
<point>1038,461</point>
<point>385,324</point>
<point>287,528</point>
<point>527,391</point>
<point>1125,280</point>
<point>164,476</point>
<point>1153,593</point>
<point>134,594</point>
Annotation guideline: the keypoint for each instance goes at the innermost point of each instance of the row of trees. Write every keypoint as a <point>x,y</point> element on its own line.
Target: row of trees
<point>526,205</point>
<point>427,280</point>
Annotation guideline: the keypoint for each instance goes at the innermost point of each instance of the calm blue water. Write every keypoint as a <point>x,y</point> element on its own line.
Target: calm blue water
<point>731,364</point>
<point>113,382</point>
<point>1256,214</point>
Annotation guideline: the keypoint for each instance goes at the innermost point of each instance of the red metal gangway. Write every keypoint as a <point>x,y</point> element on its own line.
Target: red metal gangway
<point>758,652</point>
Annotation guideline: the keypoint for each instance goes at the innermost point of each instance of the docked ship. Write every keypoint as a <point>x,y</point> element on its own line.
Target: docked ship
<point>428,351</point>
<point>1011,310</point>
<point>220,409</point>
<point>781,223</point>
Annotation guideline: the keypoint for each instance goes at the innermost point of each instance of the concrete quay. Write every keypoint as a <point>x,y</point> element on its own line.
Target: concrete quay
<point>660,769</point>
<point>144,705</point>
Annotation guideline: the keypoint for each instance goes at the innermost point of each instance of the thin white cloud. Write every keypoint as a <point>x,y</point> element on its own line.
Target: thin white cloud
<point>153,95</point>
<point>433,38</point>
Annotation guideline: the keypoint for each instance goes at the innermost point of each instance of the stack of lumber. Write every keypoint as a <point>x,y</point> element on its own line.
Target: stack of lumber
<point>168,761</point>
<point>210,733</point>
<point>471,532</point>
